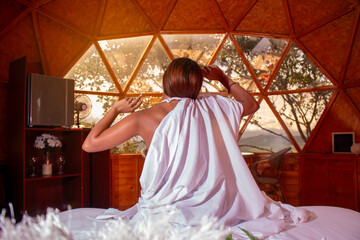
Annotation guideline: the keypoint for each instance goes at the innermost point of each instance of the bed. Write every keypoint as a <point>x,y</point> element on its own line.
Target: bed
<point>325,223</point>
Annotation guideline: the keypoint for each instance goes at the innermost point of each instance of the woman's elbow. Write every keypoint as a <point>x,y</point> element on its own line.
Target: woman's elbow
<point>87,147</point>
<point>251,108</point>
<point>91,145</point>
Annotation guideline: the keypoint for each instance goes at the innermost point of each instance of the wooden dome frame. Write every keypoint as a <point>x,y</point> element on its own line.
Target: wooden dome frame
<point>297,21</point>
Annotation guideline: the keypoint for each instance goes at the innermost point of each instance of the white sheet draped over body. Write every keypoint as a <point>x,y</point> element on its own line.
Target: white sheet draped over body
<point>195,165</point>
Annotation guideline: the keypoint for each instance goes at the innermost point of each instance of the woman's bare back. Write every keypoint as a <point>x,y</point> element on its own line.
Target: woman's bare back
<point>151,118</point>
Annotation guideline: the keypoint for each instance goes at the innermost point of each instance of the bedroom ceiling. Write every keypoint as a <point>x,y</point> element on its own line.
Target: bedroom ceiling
<point>56,33</point>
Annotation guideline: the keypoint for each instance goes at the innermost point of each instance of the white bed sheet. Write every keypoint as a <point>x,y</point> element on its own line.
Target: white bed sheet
<point>329,223</point>
<point>326,223</point>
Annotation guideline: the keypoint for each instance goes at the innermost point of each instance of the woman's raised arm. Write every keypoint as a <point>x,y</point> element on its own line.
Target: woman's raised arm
<point>213,72</point>
<point>104,136</point>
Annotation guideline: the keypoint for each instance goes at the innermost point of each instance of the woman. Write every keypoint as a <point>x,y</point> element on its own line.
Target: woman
<point>193,162</point>
<point>183,78</point>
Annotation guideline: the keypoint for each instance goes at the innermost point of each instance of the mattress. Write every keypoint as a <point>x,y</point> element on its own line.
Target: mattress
<point>325,223</point>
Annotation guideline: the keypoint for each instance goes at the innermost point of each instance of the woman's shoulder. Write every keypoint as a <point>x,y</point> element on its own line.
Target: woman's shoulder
<point>214,97</point>
<point>148,120</point>
<point>221,101</point>
<point>159,110</point>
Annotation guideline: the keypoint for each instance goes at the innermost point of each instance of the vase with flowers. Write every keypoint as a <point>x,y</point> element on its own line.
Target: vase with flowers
<point>47,143</point>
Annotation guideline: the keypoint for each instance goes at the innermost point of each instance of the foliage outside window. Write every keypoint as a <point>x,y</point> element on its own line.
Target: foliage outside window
<point>91,74</point>
<point>300,111</point>
<point>123,55</point>
<point>263,55</point>
<point>149,78</point>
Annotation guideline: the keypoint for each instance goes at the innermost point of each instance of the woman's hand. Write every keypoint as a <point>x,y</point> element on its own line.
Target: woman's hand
<point>127,105</point>
<point>213,72</point>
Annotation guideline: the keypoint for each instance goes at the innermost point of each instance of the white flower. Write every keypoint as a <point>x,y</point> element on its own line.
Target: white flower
<point>51,142</point>
<point>40,227</point>
<point>47,142</point>
<point>46,135</point>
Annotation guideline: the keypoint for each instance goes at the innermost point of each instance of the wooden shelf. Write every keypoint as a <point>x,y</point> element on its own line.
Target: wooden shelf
<point>54,193</point>
<point>42,178</point>
<point>61,129</point>
<point>86,178</point>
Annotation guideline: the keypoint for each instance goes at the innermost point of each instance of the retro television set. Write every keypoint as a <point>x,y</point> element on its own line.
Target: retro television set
<point>50,101</point>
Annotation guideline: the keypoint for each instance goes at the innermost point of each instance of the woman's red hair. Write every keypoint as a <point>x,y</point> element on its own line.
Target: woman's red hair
<point>182,78</point>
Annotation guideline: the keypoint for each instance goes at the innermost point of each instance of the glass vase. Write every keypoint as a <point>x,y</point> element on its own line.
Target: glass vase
<point>61,163</point>
<point>33,161</point>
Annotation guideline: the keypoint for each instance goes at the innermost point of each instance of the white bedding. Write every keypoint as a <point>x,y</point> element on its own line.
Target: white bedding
<point>326,223</point>
<point>195,168</point>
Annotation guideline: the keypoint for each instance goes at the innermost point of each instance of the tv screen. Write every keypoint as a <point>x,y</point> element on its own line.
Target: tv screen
<point>50,101</point>
<point>342,142</point>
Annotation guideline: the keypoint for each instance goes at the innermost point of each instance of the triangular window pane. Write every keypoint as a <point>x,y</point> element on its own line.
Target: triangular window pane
<point>149,78</point>
<point>230,62</point>
<point>298,72</point>
<point>245,118</point>
<point>198,47</point>
<point>149,101</point>
<point>263,54</point>
<point>90,73</point>
<point>264,133</point>
<point>124,54</point>
<point>97,106</point>
<point>301,111</point>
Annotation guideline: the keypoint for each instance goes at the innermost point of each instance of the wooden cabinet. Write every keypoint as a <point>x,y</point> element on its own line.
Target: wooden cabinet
<point>86,178</point>
<point>126,188</point>
<point>330,179</point>
<point>58,190</point>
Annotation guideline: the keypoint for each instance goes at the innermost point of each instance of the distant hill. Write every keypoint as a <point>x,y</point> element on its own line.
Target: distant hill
<point>266,141</point>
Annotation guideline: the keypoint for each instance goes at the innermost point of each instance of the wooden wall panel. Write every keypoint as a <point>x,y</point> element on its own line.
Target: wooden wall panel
<point>354,95</point>
<point>193,15</point>
<point>79,13</point>
<point>125,180</point>
<point>126,19</point>
<point>353,69</point>
<point>58,41</point>
<point>329,43</point>
<point>330,180</point>
<point>155,9</point>
<point>290,180</point>
<point>342,179</point>
<point>263,19</point>
<point>306,13</point>
<point>339,118</point>
<point>233,9</point>
<point>123,183</point>
<point>19,42</point>
<point>315,183</point>
<point>9,10</point>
